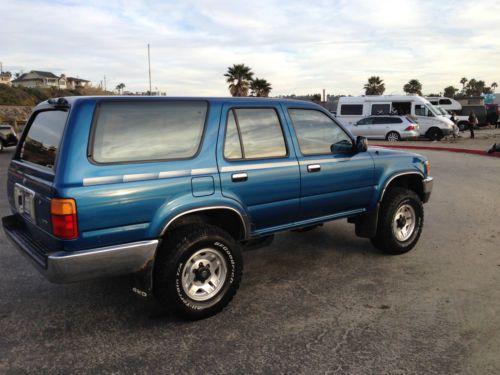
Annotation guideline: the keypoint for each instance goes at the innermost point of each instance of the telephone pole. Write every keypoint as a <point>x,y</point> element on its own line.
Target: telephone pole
<point>149,69</point>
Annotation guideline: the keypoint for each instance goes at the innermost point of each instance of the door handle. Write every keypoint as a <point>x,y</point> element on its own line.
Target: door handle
<point>239,177</point>
<point>313,168</point>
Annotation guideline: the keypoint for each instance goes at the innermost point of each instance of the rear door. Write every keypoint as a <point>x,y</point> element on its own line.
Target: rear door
<point>32,171</point>
<point>257,164</point>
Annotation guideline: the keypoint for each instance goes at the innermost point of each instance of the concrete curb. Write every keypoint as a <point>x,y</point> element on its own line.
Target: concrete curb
<point>449,149</point>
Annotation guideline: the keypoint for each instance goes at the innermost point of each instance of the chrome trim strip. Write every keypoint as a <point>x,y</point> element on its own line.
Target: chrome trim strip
<point>243,221</point>
<point>322,161</point>
<point>203,171</point>
<point>168,174</point>
<point>89,181</point>
<point>248,167</point>
<point>395,176</point>
<point>140,177</point>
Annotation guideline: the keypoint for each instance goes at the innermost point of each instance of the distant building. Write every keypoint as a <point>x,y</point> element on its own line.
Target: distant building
<point>5,78</point>
<point>76,83</point>
<point>37,78</point>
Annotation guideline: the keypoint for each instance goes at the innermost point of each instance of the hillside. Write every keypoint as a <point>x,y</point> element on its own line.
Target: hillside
<point>23,96</point>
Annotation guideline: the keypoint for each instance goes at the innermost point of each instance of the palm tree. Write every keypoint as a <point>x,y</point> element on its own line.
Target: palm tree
<point>375,86</point>
<point>413,87</point>
<point>449,91</point>
<point>120,88</point>
<point>494,85</point>
<point>239,76</point>
<point>260,87</point>
<point>463,81</point>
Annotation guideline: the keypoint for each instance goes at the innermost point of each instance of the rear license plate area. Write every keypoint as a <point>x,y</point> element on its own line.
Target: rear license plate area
<point>24,200</point>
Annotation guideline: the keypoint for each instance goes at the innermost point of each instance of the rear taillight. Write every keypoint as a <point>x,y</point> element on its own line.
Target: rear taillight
<point>63,214</point>
<point>411,127</point>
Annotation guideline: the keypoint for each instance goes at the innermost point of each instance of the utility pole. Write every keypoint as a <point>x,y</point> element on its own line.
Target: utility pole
<point>1,67</point>
<point>149,69</point>
<point>105,88</point>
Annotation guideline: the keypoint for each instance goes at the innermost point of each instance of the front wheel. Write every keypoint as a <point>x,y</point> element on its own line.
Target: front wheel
<point>400,221</point>
<point>197,271</point>
<point>434,134</point>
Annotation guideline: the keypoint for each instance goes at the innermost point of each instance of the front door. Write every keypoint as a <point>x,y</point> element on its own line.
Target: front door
<point>257,165</point>
<point>331,183</point>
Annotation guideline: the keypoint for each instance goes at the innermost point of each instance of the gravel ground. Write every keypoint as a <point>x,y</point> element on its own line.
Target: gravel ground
<point>323,301</point>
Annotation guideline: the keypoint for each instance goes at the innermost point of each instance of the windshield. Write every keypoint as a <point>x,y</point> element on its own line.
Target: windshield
<point>433,109</point>
<point>441,110</point>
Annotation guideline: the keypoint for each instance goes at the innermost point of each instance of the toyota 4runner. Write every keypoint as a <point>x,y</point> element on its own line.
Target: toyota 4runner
<point>171,189</point>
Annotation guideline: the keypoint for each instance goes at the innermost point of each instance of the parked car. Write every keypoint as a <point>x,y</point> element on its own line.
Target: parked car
<point>432,125</point>
<point>391,128</point>
<point>448,104</point>
<point>8,136</point>
<point>172,188</point>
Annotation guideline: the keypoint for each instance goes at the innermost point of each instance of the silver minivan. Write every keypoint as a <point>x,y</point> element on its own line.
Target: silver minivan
<point>391,128</point>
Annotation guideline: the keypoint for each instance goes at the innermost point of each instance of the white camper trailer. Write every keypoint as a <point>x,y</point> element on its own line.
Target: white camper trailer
<point>432,124</point>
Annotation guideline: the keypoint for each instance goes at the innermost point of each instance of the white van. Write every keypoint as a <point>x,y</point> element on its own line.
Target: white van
<point>432,125</point>
<point>447,103</point>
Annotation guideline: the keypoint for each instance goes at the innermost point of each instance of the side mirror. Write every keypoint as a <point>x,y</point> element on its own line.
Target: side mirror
<point>361,144</point>
<point>342,147</point>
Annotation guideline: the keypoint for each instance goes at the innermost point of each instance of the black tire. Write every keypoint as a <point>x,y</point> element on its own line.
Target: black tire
<point>171,262</point>
<point>463,126</point>
<point>1,146</point>
<point>434,134</point>
<point>385,239</point>
<point>393,137</point>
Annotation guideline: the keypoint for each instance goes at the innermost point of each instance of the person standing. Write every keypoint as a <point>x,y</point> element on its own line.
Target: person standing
<point>472,123</point>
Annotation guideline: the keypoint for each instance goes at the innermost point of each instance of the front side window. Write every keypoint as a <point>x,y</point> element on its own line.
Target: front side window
<point>444,101</point>
<point>41,144</point>
<point>365,121</point>
<point>351,109</point>
<point>423,110</point>
<point>316,132</point>
<point>254,133</point>
<point>147,131</point>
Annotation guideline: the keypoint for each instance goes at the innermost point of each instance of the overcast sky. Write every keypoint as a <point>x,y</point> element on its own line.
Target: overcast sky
<point>301,47</point>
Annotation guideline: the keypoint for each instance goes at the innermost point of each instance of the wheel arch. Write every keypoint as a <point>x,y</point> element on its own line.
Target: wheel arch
<point>410,180</point>
<point>228,218</point>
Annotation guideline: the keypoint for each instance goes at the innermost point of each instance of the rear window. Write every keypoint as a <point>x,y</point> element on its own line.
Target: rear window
<point>44,136</point>
<point>147,131</point>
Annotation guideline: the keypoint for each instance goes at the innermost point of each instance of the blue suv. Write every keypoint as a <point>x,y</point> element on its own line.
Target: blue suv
<point>171,189</point>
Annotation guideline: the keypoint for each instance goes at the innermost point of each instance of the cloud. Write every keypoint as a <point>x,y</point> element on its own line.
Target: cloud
<point>300,47</point>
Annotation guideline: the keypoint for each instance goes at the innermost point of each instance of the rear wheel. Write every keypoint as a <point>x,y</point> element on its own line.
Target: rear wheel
<point>197,271</point>
<point>393,137</point>
<point>400,221</point>
<point>463,126</point>
<point>434,134</point>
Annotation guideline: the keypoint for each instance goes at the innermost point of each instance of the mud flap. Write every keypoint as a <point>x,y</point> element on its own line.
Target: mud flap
<point>366,224</point>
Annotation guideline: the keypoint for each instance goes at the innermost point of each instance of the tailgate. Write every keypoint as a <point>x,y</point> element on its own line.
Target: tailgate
<point>32,172</point>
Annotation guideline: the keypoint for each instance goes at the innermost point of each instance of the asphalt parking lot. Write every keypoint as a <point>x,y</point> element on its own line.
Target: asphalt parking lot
<point>323,301</point>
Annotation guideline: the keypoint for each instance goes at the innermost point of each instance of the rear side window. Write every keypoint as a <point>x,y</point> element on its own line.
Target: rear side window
<point>395,120</point>
<point>351,109</point>
<point>254,133</point>
<point>44,136</point>
<point>147,131</point>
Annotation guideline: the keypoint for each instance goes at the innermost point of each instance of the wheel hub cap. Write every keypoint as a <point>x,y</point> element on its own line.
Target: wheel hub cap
<point>404,222</point>
<point>204,274</point>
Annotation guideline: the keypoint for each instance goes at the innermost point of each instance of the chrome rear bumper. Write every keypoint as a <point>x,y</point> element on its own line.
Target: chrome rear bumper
<point>67,267</point>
